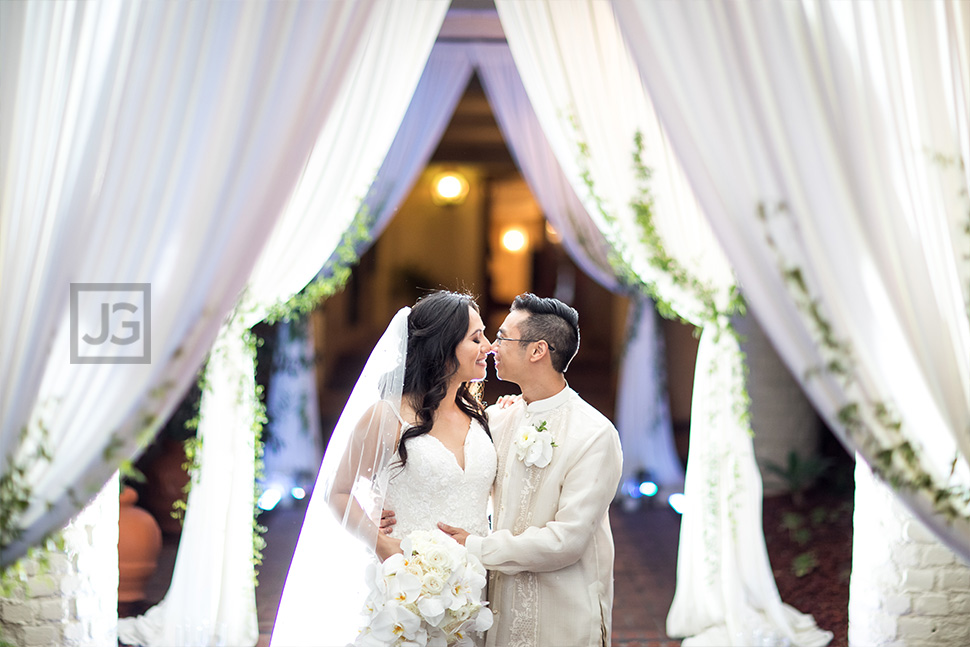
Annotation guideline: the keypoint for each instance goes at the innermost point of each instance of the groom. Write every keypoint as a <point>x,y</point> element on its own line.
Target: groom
<point>550,554</point>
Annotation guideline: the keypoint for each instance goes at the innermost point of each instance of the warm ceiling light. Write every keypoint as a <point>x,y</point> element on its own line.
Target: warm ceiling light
<point>514,240</point>
<point>449,188</point>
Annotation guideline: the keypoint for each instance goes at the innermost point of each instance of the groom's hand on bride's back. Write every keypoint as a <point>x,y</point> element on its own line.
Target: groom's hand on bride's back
<point>387,521</point>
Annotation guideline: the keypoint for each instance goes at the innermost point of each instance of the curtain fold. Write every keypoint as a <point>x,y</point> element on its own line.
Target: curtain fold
<point>146,143</point>
<point>293,437</point>
<point>642,411</point>
<point>585,88</point>
<point>531,150</point>
<point>828,142</point>
<point>441,86</point>
<point>642,407</point>
<point>385,63</point>
<point>726,592</point>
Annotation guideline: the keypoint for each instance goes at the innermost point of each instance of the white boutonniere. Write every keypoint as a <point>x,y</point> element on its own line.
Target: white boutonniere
<point>533,445</point>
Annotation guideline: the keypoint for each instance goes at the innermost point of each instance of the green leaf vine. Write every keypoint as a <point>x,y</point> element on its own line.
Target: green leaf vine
<point>16,494</point>
<point>331,280</point>
<point>713,314</point>
<point>872,425</point>
<point>716,313</point>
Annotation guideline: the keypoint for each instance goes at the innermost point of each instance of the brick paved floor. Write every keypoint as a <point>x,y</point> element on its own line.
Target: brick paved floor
<point>646,556</point>
<point>644,575</point>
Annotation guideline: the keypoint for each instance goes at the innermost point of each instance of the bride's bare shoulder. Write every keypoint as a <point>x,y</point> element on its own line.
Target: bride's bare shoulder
<point>381,414</point>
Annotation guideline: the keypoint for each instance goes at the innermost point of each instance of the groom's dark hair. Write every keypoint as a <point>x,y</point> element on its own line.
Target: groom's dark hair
<point>553,321</point>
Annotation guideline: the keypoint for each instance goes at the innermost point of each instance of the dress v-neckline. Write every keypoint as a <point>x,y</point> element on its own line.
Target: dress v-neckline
<point>464,448</point>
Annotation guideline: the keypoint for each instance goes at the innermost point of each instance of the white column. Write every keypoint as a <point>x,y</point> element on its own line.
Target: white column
<point>73,601</point>
<point>906,587</point>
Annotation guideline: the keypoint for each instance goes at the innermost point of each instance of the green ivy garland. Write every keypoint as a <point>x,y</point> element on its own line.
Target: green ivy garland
<point>718,318</point>
<point>895,459</point>
<point>713,315</point>
<point>15,489</point>
<point>332,279</point>
<point>15,496</point>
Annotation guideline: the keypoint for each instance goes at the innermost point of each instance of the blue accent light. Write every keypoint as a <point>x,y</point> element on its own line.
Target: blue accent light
<point>269,499</point>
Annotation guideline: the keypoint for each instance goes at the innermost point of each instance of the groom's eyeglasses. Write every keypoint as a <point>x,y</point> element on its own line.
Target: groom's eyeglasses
<point>499,339</point>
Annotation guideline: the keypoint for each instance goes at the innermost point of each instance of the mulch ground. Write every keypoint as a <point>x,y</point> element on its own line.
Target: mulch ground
<point>810,548</point>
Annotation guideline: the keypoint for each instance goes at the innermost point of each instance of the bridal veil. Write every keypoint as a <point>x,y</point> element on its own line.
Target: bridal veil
<point>325,588</point>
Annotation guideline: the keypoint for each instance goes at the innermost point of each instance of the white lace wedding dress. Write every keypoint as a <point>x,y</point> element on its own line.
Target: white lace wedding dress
<point>432,487</point>
<point>325,589</point>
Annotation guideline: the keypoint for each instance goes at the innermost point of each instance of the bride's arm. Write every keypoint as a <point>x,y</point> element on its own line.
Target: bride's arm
<point>367,456</point>
<point>360,524</point>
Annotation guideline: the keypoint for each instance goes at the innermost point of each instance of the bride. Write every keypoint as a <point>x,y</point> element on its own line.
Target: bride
<point>413,437</point>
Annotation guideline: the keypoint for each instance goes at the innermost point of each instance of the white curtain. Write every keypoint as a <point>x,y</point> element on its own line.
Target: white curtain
<point>586,90</point>
<point>828,141</point>
<point>527,142</point>
<point>140,143</point>
<point>726,593</point>
<point>642,411</point>
<point>293,438</point>
<point>449,69</point>
<point>441,86</point>
<point>642,407</point>
<point>213,585</point>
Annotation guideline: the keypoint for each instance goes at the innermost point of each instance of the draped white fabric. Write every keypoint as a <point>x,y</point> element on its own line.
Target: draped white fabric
<point>449,68</point>
<point>726,593</point>
<point>642,407</point>
<point>148,142</point>
<point>349,151</point>
<point>385,60</point>
<point>294,439</point>
<point>585,88</point>
<point>441,85</point>
<point>847,125</point>
<point>642,412</point>
<point>212,600</point>
<point>537,162</point>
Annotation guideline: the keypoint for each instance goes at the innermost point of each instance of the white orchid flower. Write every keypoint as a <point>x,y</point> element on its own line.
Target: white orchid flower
<point>404,587</point>
<point>393,622</point>
<point>533,445</point>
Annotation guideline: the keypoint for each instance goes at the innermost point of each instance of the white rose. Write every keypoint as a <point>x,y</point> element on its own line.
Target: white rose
<point>438,557</point>
<point>432,583</point>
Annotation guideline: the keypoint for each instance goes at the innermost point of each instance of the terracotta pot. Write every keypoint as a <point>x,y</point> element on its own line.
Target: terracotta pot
<point>139,542</point>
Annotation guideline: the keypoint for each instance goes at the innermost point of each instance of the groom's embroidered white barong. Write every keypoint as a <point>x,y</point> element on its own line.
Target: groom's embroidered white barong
<point>550,555</point>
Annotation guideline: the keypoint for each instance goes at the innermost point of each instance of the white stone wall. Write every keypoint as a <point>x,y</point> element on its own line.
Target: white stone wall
<point>73,603</point>
<point>906,587</point>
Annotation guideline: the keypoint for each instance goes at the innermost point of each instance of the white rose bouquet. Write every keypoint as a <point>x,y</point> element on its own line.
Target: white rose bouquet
<point>533,445</point>
<point>431,596</point>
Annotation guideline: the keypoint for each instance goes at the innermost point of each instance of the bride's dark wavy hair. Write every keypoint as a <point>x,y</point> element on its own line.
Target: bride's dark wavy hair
<point>437,324</point>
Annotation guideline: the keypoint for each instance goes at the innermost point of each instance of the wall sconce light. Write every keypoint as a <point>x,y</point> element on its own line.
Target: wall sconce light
<point>515,240</point>
<point>449,188</point>
<point>551,234</point>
